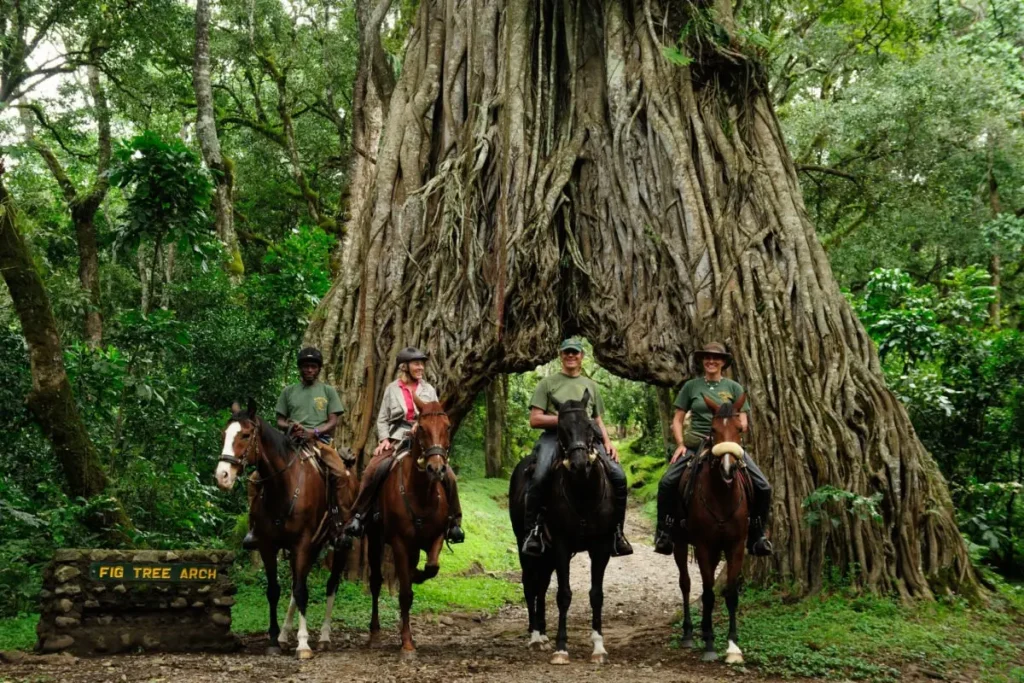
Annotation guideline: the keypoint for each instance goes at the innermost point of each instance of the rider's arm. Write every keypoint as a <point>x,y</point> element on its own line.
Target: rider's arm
<point>744,421</point>
<point>541,420</point>
<point>283,422</point>
<point>328,427</point>
<point>678,420</point>
<point>608,447</point>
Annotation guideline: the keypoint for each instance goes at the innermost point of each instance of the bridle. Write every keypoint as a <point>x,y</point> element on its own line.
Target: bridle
<point>433,449</point>
<point>254,449</point>
<point>578,445</point>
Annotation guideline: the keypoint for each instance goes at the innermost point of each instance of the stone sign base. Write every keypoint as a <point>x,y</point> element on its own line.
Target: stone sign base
<point>105,601</point>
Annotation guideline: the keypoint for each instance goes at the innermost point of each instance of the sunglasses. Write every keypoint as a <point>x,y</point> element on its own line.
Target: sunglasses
<point>571,352</point>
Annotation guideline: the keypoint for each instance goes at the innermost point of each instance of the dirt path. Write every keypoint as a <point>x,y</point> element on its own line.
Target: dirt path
<point>641,596</point>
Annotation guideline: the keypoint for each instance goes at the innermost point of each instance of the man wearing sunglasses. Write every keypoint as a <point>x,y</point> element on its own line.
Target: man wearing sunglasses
<point>568,385</point>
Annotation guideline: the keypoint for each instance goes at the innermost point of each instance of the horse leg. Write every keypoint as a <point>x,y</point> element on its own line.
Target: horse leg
<point>543,581</point>
<point>405,596</point>
<point>337,567</point>
<point>564,599</point>
<point>376,581</point>
<point>432,567</point>
<point>598,563</point>
<point>707,563</point>
<point>269,556</point>
<point>733,655</point>
<point>302,562</point>
<point>680,551</point>
<point>282,639</point>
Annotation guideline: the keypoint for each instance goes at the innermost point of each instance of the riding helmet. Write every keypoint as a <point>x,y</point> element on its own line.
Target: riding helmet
<point>409,354</point>
<point>310,355</point>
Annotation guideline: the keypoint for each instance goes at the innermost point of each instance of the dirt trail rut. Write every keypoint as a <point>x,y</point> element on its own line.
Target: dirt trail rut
<point>641,596</point>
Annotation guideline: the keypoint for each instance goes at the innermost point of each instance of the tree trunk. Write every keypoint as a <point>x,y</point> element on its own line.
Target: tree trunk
<point>545,170</point>
<point>496,395</point>
<point>209,143</point>
<point>666,411</point>
<point>51,401</point>
<point>995,264</point>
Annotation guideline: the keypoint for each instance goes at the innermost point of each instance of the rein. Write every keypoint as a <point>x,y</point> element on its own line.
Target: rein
<point>247,460</point>
<point>707,453</point>
<point>420,463</point>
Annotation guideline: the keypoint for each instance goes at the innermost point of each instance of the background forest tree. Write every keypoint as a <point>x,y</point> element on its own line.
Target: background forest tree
<point>904,120</point>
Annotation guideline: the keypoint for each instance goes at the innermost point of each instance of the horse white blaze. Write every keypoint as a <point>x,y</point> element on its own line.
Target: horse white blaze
<point>226,473</point>
<point>598,641</point>
<point>325,630</point>
<point>283,637</point>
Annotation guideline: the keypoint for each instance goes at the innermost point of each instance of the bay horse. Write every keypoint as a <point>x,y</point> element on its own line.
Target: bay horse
<point>413,515</point>
<point>716,523</point>
<point>579,516</point>
<point>290,514</point>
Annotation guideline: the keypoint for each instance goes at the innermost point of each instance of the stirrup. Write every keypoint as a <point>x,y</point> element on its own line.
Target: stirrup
<point>620,545</point>
<point>250,542</point>
<point>533,545</point>
<point>354,528</point>
<point>455,534</point>
<point>663,544</point>
<point>762,547</point>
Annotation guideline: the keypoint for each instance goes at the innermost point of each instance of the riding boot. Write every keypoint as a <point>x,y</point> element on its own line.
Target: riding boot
<point>250,542</point>
<point>617,478</point>
<point>455,534</point>
<point>668,496</point>
<point>757,543</point>
<point>375,473</point>
<point>546,450</point>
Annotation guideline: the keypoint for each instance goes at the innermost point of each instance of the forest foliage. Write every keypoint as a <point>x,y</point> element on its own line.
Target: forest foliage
<point>904,119</point>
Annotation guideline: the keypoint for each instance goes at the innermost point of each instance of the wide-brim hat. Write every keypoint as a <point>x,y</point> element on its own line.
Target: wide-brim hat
<point>712,349</point>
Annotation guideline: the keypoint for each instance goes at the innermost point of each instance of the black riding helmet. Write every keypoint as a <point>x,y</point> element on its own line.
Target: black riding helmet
<point>409,354</point>
<point>310,354</point>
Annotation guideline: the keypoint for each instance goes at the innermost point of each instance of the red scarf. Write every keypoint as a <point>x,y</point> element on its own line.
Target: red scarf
<point>410,405</point>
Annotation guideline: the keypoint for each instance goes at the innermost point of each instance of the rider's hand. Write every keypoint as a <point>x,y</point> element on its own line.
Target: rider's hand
<point>383,447</point>
<point>679,452</point>
<point>613,453</point>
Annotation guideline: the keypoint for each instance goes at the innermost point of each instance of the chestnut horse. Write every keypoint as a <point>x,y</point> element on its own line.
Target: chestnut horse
<point>579,517</point>
<point>290,514</point>
<point>413,515</point>
<point>716,524</point>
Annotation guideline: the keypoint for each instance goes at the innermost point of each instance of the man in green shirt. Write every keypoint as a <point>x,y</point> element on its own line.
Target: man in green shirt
<point>568,385</point>
<point>308,411</point>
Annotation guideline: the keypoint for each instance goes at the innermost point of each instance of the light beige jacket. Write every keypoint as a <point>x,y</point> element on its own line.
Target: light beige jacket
<point>391,422</point>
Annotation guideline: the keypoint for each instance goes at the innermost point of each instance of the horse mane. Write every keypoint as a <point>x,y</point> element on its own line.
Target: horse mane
<point>275,437</point>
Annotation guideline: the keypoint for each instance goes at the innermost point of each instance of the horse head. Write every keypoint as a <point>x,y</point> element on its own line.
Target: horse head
<point>240,445</point>
<point>577,435</point>
<point>725,435</point>
<point>431,438</point>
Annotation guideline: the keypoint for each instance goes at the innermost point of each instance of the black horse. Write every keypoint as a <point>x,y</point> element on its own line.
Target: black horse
<point>579,515</point>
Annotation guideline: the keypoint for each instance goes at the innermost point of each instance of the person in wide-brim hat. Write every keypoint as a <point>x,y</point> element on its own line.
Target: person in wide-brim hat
<point>691,428</point>
<point>711,350</point>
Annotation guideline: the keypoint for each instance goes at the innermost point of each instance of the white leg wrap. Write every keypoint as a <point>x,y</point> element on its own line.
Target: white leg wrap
<point>303,633</point>
<point>733,655</point>
<point>285,634</point>
<point>325,630</point>
<point>598,641</point>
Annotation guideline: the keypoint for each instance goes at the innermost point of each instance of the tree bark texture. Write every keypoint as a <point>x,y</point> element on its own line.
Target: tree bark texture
<point>496,395</point>
<point>51,401</point>
<point>544,170</point>
<point>209,143</point>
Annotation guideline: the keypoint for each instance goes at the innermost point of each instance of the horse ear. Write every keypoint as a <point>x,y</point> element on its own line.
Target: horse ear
<point>557,404</point>
<point>235,408</point>
<point>738,405</point>
<point>416,400</point>
<point>586,397</point>
<point>712,406</point>
<point>251,409</point>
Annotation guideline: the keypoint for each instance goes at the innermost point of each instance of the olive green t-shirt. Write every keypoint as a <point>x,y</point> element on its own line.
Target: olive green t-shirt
<point>309,406</point>
<point>562,388</point>
<point>691,399</point>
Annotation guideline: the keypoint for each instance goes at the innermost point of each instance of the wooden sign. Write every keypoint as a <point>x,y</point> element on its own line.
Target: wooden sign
<point>168,572</point>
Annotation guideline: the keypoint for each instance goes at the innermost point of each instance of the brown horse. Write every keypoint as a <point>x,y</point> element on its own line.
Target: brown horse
<point>413,515</point>
<point>716,524</point>
<point>290,514</point>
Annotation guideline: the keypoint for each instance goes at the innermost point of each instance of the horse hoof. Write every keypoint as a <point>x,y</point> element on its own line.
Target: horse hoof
<point>324,644</point>
<point>733,659</point>
<point>559,658</point>
<point>407,655</point>
<point>688,643</point>
<point>304,654</point>
<point>709,657</point>
<point>599,658</point>
<point>273,650</point>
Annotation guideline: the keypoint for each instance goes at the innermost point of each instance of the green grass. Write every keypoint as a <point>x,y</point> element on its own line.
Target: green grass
<point>18,633</point>
<point>643,472</point>
<point>840,636</point>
